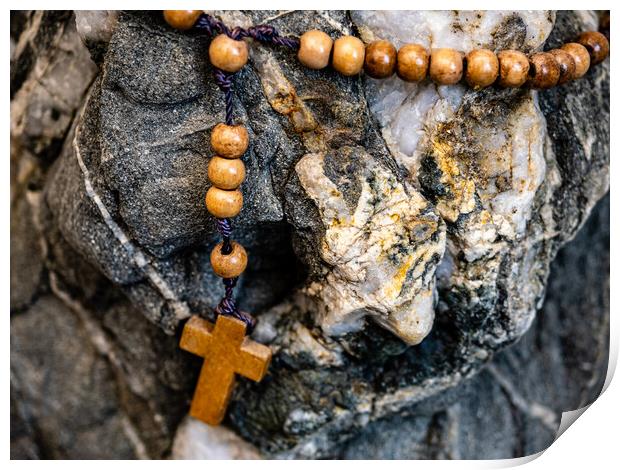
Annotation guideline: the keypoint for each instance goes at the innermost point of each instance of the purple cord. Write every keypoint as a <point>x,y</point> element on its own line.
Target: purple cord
<point>224,81</point>
<point>225,228</point>
<point>228,307</point>
<point>263,32</point>
<point>266,34</point>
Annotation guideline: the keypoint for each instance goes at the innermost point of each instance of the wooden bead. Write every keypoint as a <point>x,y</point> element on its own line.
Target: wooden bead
<point>603,23</point>
<point>566,63</point>
<point>348,57</point>
<point>412,63</point>
<point>446,66</point>
<point>314,49</point>
<point>182,19</point>
<point>222,203</point>
<point>544,71</point>
<point>482,68</point>
<point>580,55</point>
<point>380,59</point>
<point>226,173</point>
<point>229,141</point>
<point>228,54</point>
<point>513,68</point>
<point>229,265</point>
<point>596,44</point>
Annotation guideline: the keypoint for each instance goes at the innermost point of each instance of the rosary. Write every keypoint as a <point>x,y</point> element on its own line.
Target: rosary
<point>225,345</point>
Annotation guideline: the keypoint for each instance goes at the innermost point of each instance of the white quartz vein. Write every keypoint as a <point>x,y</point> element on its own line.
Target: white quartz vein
<point>140,259</point>
<point>532,409</point>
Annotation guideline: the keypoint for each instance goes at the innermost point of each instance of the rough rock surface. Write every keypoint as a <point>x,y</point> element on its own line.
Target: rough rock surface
<point>371,207</point>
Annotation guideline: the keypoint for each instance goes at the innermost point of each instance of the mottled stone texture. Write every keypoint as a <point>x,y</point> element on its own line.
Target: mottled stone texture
<point>369,211</point>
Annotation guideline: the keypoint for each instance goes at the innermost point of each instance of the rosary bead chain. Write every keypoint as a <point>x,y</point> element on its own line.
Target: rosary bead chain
<point>349,56</point>
<point>228,54</point>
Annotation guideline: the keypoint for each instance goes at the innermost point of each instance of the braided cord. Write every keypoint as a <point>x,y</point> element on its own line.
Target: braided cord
<point>265,34</point>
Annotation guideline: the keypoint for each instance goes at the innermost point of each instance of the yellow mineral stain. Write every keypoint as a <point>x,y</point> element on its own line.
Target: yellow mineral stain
<point>461,187</point>
<point>393,288</point>
<point>485,217</point>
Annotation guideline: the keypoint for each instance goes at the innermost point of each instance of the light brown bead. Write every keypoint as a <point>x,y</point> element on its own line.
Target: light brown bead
<point>380,59</point>
<point>412,63</point>
<point>229,141</point>
<point>482,68</point>
<point>446,66</point>
<point>566,63</point>
<point>226,173</point>
<point>228,54</point>
<point>580,55</point>
<point>229,265</point>
<point>222,203</point>
<point>513,68</point>
<point>348,57</point>
<point>544,71</point>
<point>182,19</point>
<point>596,44</point>
<point>314,49</point>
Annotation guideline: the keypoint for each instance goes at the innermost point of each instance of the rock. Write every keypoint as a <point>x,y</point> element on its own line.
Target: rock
<point>198,441</point>
<point>95,28</point>
<point>378,231</point>
<point>513,407</point>
<point>69,389</point>
<point>487,186</point>
<point>56,73</point>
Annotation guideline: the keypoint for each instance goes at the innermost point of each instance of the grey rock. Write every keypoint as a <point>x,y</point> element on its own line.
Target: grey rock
<point>122,231</point>
<point>69,389</point>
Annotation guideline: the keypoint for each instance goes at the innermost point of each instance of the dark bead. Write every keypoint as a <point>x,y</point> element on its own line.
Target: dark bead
<point>596,44</point>
<point>380,60</point>
<point>544,71</point>
<point>566,63</point>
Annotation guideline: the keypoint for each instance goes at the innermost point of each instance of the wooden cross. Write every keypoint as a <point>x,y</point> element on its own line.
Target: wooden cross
<point>227,351</point>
